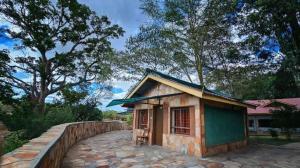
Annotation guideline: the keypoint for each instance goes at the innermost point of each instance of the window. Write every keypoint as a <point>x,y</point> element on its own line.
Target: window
<point>180,123</point>
<point>251,123</point>
<point>143,119</point>
<point>264,123</point>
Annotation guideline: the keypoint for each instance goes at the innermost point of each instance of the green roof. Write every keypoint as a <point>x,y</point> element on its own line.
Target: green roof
<point>137,99</point>
<point>125,101</point>
<point>168,77</point>
<point>193,85</point>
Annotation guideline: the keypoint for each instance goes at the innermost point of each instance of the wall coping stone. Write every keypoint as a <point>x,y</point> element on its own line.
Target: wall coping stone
<point>36,152</point>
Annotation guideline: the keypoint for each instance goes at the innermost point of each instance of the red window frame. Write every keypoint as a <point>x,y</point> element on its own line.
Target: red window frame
<point>143,119</point>
<point>180,120</point>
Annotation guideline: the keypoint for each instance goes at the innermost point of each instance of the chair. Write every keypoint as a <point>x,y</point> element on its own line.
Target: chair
<point>142,137</point>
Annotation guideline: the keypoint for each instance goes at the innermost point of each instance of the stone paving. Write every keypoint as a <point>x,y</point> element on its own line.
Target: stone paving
<point>115,149</point>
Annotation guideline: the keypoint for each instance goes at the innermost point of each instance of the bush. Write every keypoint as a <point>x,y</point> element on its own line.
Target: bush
<point>111,115</point>
<point>287,118</point>
<point>87,112</point>
<point>33,125</point>
<point>57,116</point>
<point>14,140</point>
<point>129,119</point>
<point>273,133</point>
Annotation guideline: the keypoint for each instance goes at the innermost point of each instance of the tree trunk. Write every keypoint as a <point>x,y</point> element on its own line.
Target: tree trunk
<point>295,29</point>
<point>44,86</point>
<point>42,107</point>
<point>200,73</point>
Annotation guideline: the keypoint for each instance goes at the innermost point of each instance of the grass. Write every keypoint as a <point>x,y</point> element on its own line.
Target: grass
<point>265,139</point>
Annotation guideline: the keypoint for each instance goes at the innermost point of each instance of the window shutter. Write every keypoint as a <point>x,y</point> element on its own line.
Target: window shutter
<point>166,120</point>
<point>136,119</point>
<point>150,116</point>
<point>192,120</point>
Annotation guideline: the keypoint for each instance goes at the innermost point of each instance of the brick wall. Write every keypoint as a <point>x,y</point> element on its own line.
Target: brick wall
<point>48,150</point>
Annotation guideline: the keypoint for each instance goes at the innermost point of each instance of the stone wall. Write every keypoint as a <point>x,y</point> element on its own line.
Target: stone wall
<point>49,149</point>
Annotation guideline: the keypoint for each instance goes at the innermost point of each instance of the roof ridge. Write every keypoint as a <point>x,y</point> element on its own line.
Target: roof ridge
<point>194,85</point>
<point>148,71</point>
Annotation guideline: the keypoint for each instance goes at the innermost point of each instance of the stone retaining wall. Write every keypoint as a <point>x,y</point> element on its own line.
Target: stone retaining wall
<point>48,150</point>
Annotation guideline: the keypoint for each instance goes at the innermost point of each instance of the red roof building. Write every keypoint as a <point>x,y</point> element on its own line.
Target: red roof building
<point>264,107</point>
<point>259,118</point>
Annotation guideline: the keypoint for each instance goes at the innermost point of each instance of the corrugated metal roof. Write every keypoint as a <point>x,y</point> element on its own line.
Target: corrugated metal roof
<point>264,107</point>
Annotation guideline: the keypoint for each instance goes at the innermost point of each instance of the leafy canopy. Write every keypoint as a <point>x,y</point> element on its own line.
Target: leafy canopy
<point>185,37</point>
<point>64,43</point>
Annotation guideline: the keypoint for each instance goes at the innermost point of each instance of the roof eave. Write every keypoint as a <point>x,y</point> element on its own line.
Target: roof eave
<point>210,96</point>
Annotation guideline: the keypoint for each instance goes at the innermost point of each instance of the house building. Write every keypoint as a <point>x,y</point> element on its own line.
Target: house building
<point>186,117</point>
<point>260,118</point>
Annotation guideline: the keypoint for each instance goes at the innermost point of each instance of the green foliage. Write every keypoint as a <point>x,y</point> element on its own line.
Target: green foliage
<point>14,140</point>
<point>272,141</point>
<point>72,96</point>
<point>244,83</point>
<point>185,37</point>
<point>287,118</point>
<point>87,112</point>
<point>129,119</point>
<point>273,133</point>
<point>285,84</point>
<point>278,21</point>
<point>6,92</point>
<point>112,115</point>
<point>70,43</point>
<point>33,124</point>
<point>59,115</point>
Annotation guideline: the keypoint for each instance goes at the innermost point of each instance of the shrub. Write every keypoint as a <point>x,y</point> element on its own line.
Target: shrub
<point>111,115</point>
<point>129,119</point>
<point>14,140</point>
<point>87,112</point>
<point>287,118</point>
<point>273,133</point>
<point>57,116</point>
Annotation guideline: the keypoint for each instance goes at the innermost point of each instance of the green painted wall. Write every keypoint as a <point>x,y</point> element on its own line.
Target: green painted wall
<point>223,125</point>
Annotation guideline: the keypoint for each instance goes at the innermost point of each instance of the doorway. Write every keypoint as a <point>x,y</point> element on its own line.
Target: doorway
<point>158,125</point>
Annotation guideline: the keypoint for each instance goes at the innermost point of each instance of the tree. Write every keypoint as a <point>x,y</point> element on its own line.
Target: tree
<point>184,36</point>
<point>73,97</point>
<point>6,91</point>
<point>287,118</point>
<point>243,82</point>
<point>267,33</point>
<point>271,30</point>
<point>87,112</point>
<point>69,42</point>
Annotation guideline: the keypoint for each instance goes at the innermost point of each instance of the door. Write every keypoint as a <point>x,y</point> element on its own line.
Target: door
<point>158,125</point>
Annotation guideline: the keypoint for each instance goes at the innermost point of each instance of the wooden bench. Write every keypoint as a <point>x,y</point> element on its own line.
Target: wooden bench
<point>142,137</point>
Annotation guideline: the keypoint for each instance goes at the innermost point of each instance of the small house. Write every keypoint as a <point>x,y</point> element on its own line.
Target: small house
<point>260,117</point>
<point>186,117</point>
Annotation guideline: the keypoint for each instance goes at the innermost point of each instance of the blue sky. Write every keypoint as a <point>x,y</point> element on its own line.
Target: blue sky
<point>125,13</point>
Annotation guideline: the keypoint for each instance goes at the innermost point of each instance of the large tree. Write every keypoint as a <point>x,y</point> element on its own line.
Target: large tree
<point>185,36</point>
<point>64,44</point>
<point>270,30</point>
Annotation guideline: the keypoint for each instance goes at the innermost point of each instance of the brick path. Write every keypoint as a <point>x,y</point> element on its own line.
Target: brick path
<point>115,149</point>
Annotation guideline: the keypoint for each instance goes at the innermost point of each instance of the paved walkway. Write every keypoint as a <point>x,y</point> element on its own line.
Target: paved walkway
<point>115,149</point>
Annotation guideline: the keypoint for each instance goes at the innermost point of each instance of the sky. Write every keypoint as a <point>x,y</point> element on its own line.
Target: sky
<point>125,13</point>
